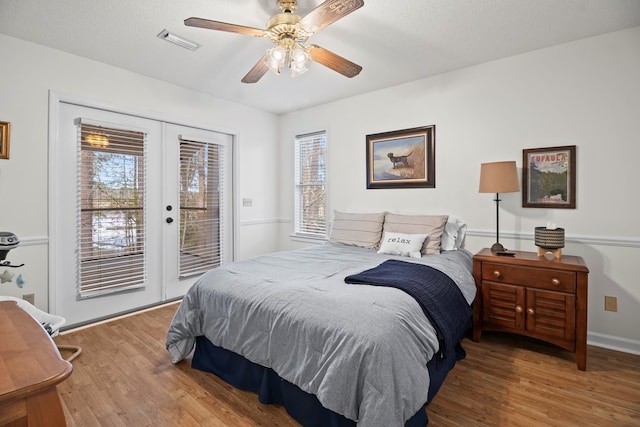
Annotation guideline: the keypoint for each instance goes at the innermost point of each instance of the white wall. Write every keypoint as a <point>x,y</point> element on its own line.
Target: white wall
<point>585,93</point>
<point>27,75</point>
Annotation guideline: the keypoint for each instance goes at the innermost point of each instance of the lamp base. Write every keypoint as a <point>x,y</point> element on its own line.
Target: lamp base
<point>497,247</point>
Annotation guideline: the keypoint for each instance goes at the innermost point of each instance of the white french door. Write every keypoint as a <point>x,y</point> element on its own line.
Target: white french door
<point>139,209</point>
<point>198,209</point>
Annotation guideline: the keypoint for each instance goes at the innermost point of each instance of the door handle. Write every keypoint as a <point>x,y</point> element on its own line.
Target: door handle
<point>169,220</point>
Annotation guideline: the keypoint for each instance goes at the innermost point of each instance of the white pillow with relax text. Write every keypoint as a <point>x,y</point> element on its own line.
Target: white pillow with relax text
<point>402,244</point>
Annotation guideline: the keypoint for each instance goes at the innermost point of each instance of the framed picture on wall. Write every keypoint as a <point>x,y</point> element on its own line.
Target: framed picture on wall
<point>402,158</point>
<point>4,140</point>
<point>549,177</point>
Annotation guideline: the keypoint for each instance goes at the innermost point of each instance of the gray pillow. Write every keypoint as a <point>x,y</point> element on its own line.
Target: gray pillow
<point>432,225</point>
<point>357,229</point>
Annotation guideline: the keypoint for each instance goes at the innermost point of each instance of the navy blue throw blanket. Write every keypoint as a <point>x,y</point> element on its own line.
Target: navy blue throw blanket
<point>440,298</point>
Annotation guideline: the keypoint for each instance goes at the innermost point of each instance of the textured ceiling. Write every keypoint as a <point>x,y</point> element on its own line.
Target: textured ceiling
<point>394,41</point>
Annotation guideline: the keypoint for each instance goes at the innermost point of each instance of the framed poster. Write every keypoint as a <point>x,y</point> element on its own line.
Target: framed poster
<point>4,140</point>
<point>402,158</point>
<point>549,177</point>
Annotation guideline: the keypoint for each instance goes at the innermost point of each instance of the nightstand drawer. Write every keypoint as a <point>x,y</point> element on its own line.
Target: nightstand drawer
<point>541,278</point>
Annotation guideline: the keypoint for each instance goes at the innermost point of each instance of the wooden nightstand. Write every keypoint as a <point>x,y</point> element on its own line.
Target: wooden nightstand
<point>533,296</point>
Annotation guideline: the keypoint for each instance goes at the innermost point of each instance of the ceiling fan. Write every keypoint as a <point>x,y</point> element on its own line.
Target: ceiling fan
<point>289,32</point>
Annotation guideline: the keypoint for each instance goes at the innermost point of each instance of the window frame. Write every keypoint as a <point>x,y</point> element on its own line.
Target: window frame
<point>299,229</point>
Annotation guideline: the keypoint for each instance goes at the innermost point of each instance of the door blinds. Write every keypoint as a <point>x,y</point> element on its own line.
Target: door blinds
<point>111,218</point>
<point>201,196</point>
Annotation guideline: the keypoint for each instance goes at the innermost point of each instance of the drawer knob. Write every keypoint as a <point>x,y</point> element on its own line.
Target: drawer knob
<point>496,274</point>
<point>519,309</point>
<point>555,281</point>
<point>530,311</point>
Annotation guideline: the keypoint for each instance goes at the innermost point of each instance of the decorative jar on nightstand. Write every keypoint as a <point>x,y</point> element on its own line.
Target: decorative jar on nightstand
<point>531,295</point>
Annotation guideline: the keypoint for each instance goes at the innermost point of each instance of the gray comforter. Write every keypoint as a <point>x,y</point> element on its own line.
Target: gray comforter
<point>362,350</point>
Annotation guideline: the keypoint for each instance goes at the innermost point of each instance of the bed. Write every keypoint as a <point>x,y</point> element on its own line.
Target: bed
<point>309,329</point>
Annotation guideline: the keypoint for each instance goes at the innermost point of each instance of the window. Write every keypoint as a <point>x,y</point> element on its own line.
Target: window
<point>310,185</point>
<point>111,196</point>
<point>201,195</point>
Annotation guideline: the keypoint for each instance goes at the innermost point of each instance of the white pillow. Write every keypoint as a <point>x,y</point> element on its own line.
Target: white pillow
<point>402,244</point>
<point>453,235</point>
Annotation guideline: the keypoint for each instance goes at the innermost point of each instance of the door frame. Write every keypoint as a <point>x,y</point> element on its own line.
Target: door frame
<point>57,98</point>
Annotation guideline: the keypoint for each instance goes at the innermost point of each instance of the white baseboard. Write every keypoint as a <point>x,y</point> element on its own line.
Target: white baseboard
<point>613,343</point>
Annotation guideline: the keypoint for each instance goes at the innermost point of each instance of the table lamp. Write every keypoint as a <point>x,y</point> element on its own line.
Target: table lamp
<point>498,177</point>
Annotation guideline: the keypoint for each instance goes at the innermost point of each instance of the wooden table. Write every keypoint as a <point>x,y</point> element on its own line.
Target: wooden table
<point>530,295</point>
<point>30,368</point>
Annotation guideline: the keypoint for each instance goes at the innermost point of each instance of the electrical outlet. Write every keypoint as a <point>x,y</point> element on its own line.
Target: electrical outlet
<point>610,303</point>
<point>247,202</point>
<point>30,298</point>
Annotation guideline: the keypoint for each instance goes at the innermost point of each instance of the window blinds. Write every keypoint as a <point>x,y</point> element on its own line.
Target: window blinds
<point>201,196</point>
<point>310,186</point>
<point>111,215</point>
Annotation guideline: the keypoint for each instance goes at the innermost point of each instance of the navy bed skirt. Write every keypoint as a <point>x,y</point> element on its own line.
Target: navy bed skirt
<point>300,405</point>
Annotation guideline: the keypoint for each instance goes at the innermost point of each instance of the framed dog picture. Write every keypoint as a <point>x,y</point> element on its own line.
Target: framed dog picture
<point>402,158</point>
<point>4,140</point>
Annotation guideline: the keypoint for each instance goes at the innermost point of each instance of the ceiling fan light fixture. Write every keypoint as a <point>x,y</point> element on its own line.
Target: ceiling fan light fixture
<point>289,31</point>
<point>275,58</point>
<point>300,61</point>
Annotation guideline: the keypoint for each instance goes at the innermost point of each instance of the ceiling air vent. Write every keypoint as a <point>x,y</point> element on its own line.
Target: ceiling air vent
<point>180,41</point>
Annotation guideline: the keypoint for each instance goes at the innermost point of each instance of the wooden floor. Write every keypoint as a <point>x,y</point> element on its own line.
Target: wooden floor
<point>124,378</point>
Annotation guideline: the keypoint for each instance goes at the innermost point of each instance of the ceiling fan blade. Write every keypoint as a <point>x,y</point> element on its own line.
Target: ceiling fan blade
<point>223,26</point>
<point>335,62</point>
<point>327,13</point>
<point>256,72</point>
